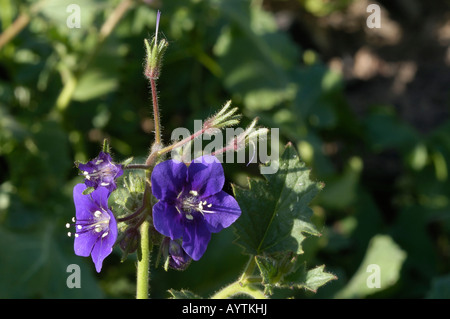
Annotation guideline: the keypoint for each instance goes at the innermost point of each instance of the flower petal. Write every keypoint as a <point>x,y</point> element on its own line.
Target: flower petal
<point>168,179</point>
<point>84,204</point>
<point>104,245</point>
<point>196,238</point>
<point>84,243</point>
<point>224,211</point>
<point>167,220</point>
<point>206,176</point>
<point>100,197</point>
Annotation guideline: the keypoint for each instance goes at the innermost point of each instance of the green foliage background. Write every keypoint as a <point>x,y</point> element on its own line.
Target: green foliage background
<point>62,91</point>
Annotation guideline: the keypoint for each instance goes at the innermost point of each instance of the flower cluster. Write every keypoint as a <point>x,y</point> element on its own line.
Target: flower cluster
<point>191,204</point>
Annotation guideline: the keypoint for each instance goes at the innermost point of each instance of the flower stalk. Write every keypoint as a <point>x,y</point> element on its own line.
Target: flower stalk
<point>143,265</point>
<point>155,52</point>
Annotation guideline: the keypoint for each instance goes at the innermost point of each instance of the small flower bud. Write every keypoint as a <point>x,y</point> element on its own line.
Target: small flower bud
<point>155,52</point>
<point>224,118</point>
<point>130,241</point>
<point>249,136</point>
<point>174,255</point>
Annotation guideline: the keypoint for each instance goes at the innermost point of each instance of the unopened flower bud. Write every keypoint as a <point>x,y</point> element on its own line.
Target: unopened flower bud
<point>224,118</point>
<point>130,241</point>
<point>155,52</point>
<point>174,254</point>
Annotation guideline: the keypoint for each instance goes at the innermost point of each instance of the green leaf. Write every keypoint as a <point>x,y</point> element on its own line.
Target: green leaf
<point>34,265</point>
<point>183,294</point>
<point>341,190</point>
<point>127,198</point>
<point>275,213</point>
<point>93,84</point>
<point>261,74</point>
<point>384,258</point>
<point>385,130</point>
<point>285,271</point>
<point>272,270</point>
<point>127,162</point>
<point>309,279</point>
<point>88,190</point>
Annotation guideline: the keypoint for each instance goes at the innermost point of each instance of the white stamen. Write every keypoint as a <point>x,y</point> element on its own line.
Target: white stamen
<point>79,227</point>
<point>194,193</point>
<point>99,162</point>
<point>189,216</point>
<point>209,205</point>
<point>104,184</point>
<point>76,235</point>
<point>105,234</point>
<point>98,213</point>
<point>69,234</point>
<point>73,220</point>
<point>67,225</point>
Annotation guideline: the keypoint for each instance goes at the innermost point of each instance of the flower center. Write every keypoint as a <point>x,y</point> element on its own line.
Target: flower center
<point>191,203</point>
<point>105,173</point>
<point>97,224</point>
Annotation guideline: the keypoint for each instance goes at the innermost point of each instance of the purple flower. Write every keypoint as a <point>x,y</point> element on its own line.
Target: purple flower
<point>95,225</point>
<point>178,258</point>
<point>191,203</point>
<point>101,171</point>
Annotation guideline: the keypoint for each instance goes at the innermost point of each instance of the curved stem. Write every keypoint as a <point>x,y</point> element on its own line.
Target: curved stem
<point>236,288</point>
<point>131,216</point>
<point>143,266</point>
<point>14,29</point>
<point>248,272</point>
<point>19,24</point>
<point>245,284</point>
<point>66,95</point>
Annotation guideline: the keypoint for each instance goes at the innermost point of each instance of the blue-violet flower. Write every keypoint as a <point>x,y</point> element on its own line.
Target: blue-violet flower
<point>192,204</point>
<point>95,225</point>
<point>101,171</point>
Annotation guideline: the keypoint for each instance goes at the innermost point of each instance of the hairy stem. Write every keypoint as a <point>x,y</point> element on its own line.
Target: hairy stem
<point>245,284</point>
<point>137,166</point>
<point>156,111</point>
<point>236,288</point>
<point>143,265</point>
<point>248,272</point>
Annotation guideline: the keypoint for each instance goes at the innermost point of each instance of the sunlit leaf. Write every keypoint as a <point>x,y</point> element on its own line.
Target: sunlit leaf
<point>275,213</point>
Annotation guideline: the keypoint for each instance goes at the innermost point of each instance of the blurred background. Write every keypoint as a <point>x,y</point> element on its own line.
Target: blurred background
<point>367,109</point>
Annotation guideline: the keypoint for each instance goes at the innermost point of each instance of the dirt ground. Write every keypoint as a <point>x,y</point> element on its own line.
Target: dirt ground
<point>404,63</point>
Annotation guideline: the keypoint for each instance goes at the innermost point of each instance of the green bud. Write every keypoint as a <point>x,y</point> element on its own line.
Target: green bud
<point>224,118</point>
<point>106,148</point>
<point>155,52</point>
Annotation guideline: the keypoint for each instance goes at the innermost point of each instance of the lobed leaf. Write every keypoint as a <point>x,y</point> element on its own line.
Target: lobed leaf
<point>275,213</point>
